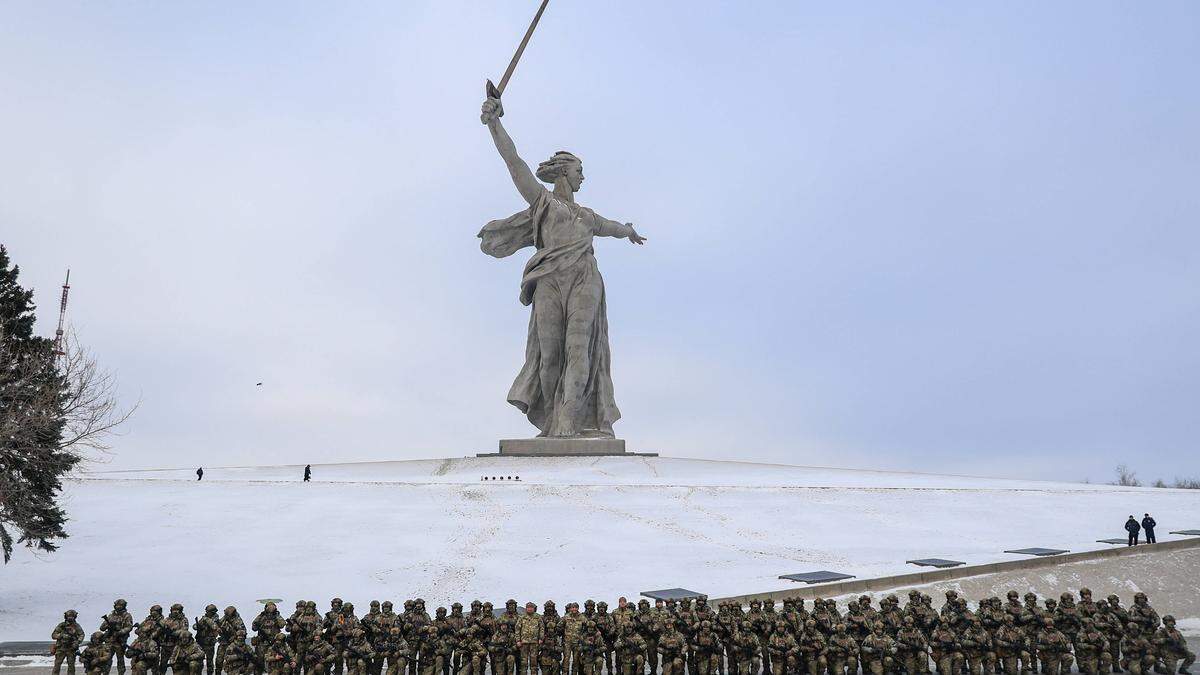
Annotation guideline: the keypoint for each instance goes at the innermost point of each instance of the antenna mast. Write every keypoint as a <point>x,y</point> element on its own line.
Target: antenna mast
<point>62,317</point>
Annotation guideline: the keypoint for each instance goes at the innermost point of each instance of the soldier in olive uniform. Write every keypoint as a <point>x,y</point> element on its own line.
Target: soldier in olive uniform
<point>187,657</point>
<point>1091,649</point>
<point>975,645</point>
<point>67,637</point>
<point>671,647</point>
<point>227,630</point>
<point>631,651</point>
<point>174,627</point>
<point>279,657</point>
<point>116,627</point>
<point>1053,647</point>
<point>503,649</point>
<point>1008,642</point>
<point>813,649</point>
<point>319,655</point>
<point>782,648</point>
<point>1137,651</point>
<point>706,650</point>
<point>912,647</point>
<point>143,655</point>
<point>944,645</point>
<point>1172,648</point>
<point>572,627</point>
<point>878,651</point>
<point>529,633</point>
<point>240,658</point>
<point>550,652</point>
<point>207,629</point>
<point>96,655</point>
<point>336,632</point>
<point>391,651</point>
<point>266,626</point>
<point>359,652</point>
<point>1143,614</point>
<point>842,652</point>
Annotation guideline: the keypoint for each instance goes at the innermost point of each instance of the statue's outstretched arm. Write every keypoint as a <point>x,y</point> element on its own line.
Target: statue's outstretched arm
<point>527,184</point>
<point>611,228</point>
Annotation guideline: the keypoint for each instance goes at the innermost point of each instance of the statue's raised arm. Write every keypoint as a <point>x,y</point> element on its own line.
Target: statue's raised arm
<point>527,184</point>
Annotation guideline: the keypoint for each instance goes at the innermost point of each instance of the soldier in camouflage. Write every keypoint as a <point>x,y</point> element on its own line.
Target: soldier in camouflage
<point>67,637</point>
<point>1172,649</point>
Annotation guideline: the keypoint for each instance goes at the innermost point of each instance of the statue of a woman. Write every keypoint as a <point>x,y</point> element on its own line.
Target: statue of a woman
<point>565,387</point>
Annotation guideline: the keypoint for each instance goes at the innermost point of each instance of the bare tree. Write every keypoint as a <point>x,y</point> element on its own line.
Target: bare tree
<point>1127,477</point>
<point>58,409</point>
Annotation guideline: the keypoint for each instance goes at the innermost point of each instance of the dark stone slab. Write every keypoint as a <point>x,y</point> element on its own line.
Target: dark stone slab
<point>1038,551</point>
<point>1190,533</point>
<point>1114,540</point>
<point>673,594</point>
<point>936,562</point>
<point>818,577</point>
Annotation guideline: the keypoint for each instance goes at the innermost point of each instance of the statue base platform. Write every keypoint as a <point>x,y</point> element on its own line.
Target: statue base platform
<point>564,447</point>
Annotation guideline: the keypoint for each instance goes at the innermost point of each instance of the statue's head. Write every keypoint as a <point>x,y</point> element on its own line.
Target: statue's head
<point>563,165</point>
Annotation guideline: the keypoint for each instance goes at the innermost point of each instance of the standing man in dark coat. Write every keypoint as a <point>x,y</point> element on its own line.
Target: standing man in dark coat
<point>1132,527</point>
<point>1148,525</point>
<point>200,476</point>
<point>307,472</point>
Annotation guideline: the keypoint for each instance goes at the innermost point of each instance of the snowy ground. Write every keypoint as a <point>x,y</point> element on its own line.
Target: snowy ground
<point>570,529</point>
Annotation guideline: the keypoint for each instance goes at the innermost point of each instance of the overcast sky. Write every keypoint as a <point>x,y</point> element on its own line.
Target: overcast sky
<point>919,236</point>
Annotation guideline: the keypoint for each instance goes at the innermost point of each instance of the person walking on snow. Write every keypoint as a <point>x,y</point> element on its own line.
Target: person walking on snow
<point>1132,527</point>
<point>200,476</point>
<point>307,472</point>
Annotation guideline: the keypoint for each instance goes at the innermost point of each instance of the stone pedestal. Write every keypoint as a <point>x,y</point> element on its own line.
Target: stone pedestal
<point>564,447</point>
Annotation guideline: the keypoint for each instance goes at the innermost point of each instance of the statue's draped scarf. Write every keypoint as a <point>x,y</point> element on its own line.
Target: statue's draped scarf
<point>545,409</point>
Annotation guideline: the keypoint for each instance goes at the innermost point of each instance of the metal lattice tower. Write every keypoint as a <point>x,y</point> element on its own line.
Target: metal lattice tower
<point>62,317</point>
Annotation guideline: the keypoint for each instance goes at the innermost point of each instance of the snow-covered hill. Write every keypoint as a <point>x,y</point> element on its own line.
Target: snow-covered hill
<point>571,528</point>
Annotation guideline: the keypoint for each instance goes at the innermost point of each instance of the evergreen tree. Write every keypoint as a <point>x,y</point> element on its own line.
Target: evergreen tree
<point>34,397</point>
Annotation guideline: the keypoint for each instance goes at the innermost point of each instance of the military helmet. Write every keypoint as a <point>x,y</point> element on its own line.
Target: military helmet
<point>387,605</point>
<point>601,606</point>
<point>156,609</point>
<point>755,603</point>
<point>270,607</point>
<point>1113,599</point>
<point>441,612</point>
<point>336,602</point>
<point>457,606</point>
<point>476,604</point>
<point>374,604</point>
<point>408,605</point>
<point>1169,618</point>
<point>951,594</point>
<point>70,615</point>
<point>210,609</point>
<point>97,636</point>
<point>279,637</point>
<point>1048,622</point>
<point>177,607</point>
<point>589,603</point>
<point>311,604</point>
<point>908,620</point>
<point>1067,597</point>
<point>348,607</point>
<point>1085,592</point>
<point>549,604</point>
<point>120,604</point>
<point>299,604</point>
<point>231,611</point>
<point>811,623</point>
<point>510,603</point>
<point>1139,596</point>
<point>1013,595</point>
<point>1031,596</point>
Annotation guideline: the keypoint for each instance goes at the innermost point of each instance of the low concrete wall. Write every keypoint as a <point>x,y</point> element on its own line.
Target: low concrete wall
<point>921,578</point>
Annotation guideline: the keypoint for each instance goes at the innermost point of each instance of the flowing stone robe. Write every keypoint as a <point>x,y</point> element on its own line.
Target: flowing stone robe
<point>565,387</point>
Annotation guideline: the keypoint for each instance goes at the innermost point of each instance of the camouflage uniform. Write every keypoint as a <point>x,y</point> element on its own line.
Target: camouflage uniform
<point>878,652</point>
<point>174,627</point>
<point>336,632</point>
<point>1053,648</point>
<point>266,626</point>
<point>96,655</point>
<point>359,653</point>
<point>913,648</point>
<point>813,649</point>
<point>1091,649</point>
<point>116,627</point>
<point>230,625</point>
<point>1143,614</point>
<point>529,633</point>
<point>279,658</point>
<point>1137,651</point>
<point>783,648</point>
<point>207,629</point>
<point>1008,643</point>
<point>391,651</point>
<point>550,652</point>
<point>572,626</point>
<point>975,645</point>
<point>671,647</point>
<point>631,652</point>
<point>591,648</point>
<point>473,651</point>
<point>1172,647</point>
<point>188,657</point>
<point>503,650</point>
<point>67,637</point>
<point>240,658</point>
<point>842,652</point>
<point>706,650</point>
<point>319,655</point>
<point>143,655</point>
<point>944,645</point>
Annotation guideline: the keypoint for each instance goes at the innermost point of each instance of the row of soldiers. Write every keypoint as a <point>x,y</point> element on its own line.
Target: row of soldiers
<point>685,638</point>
